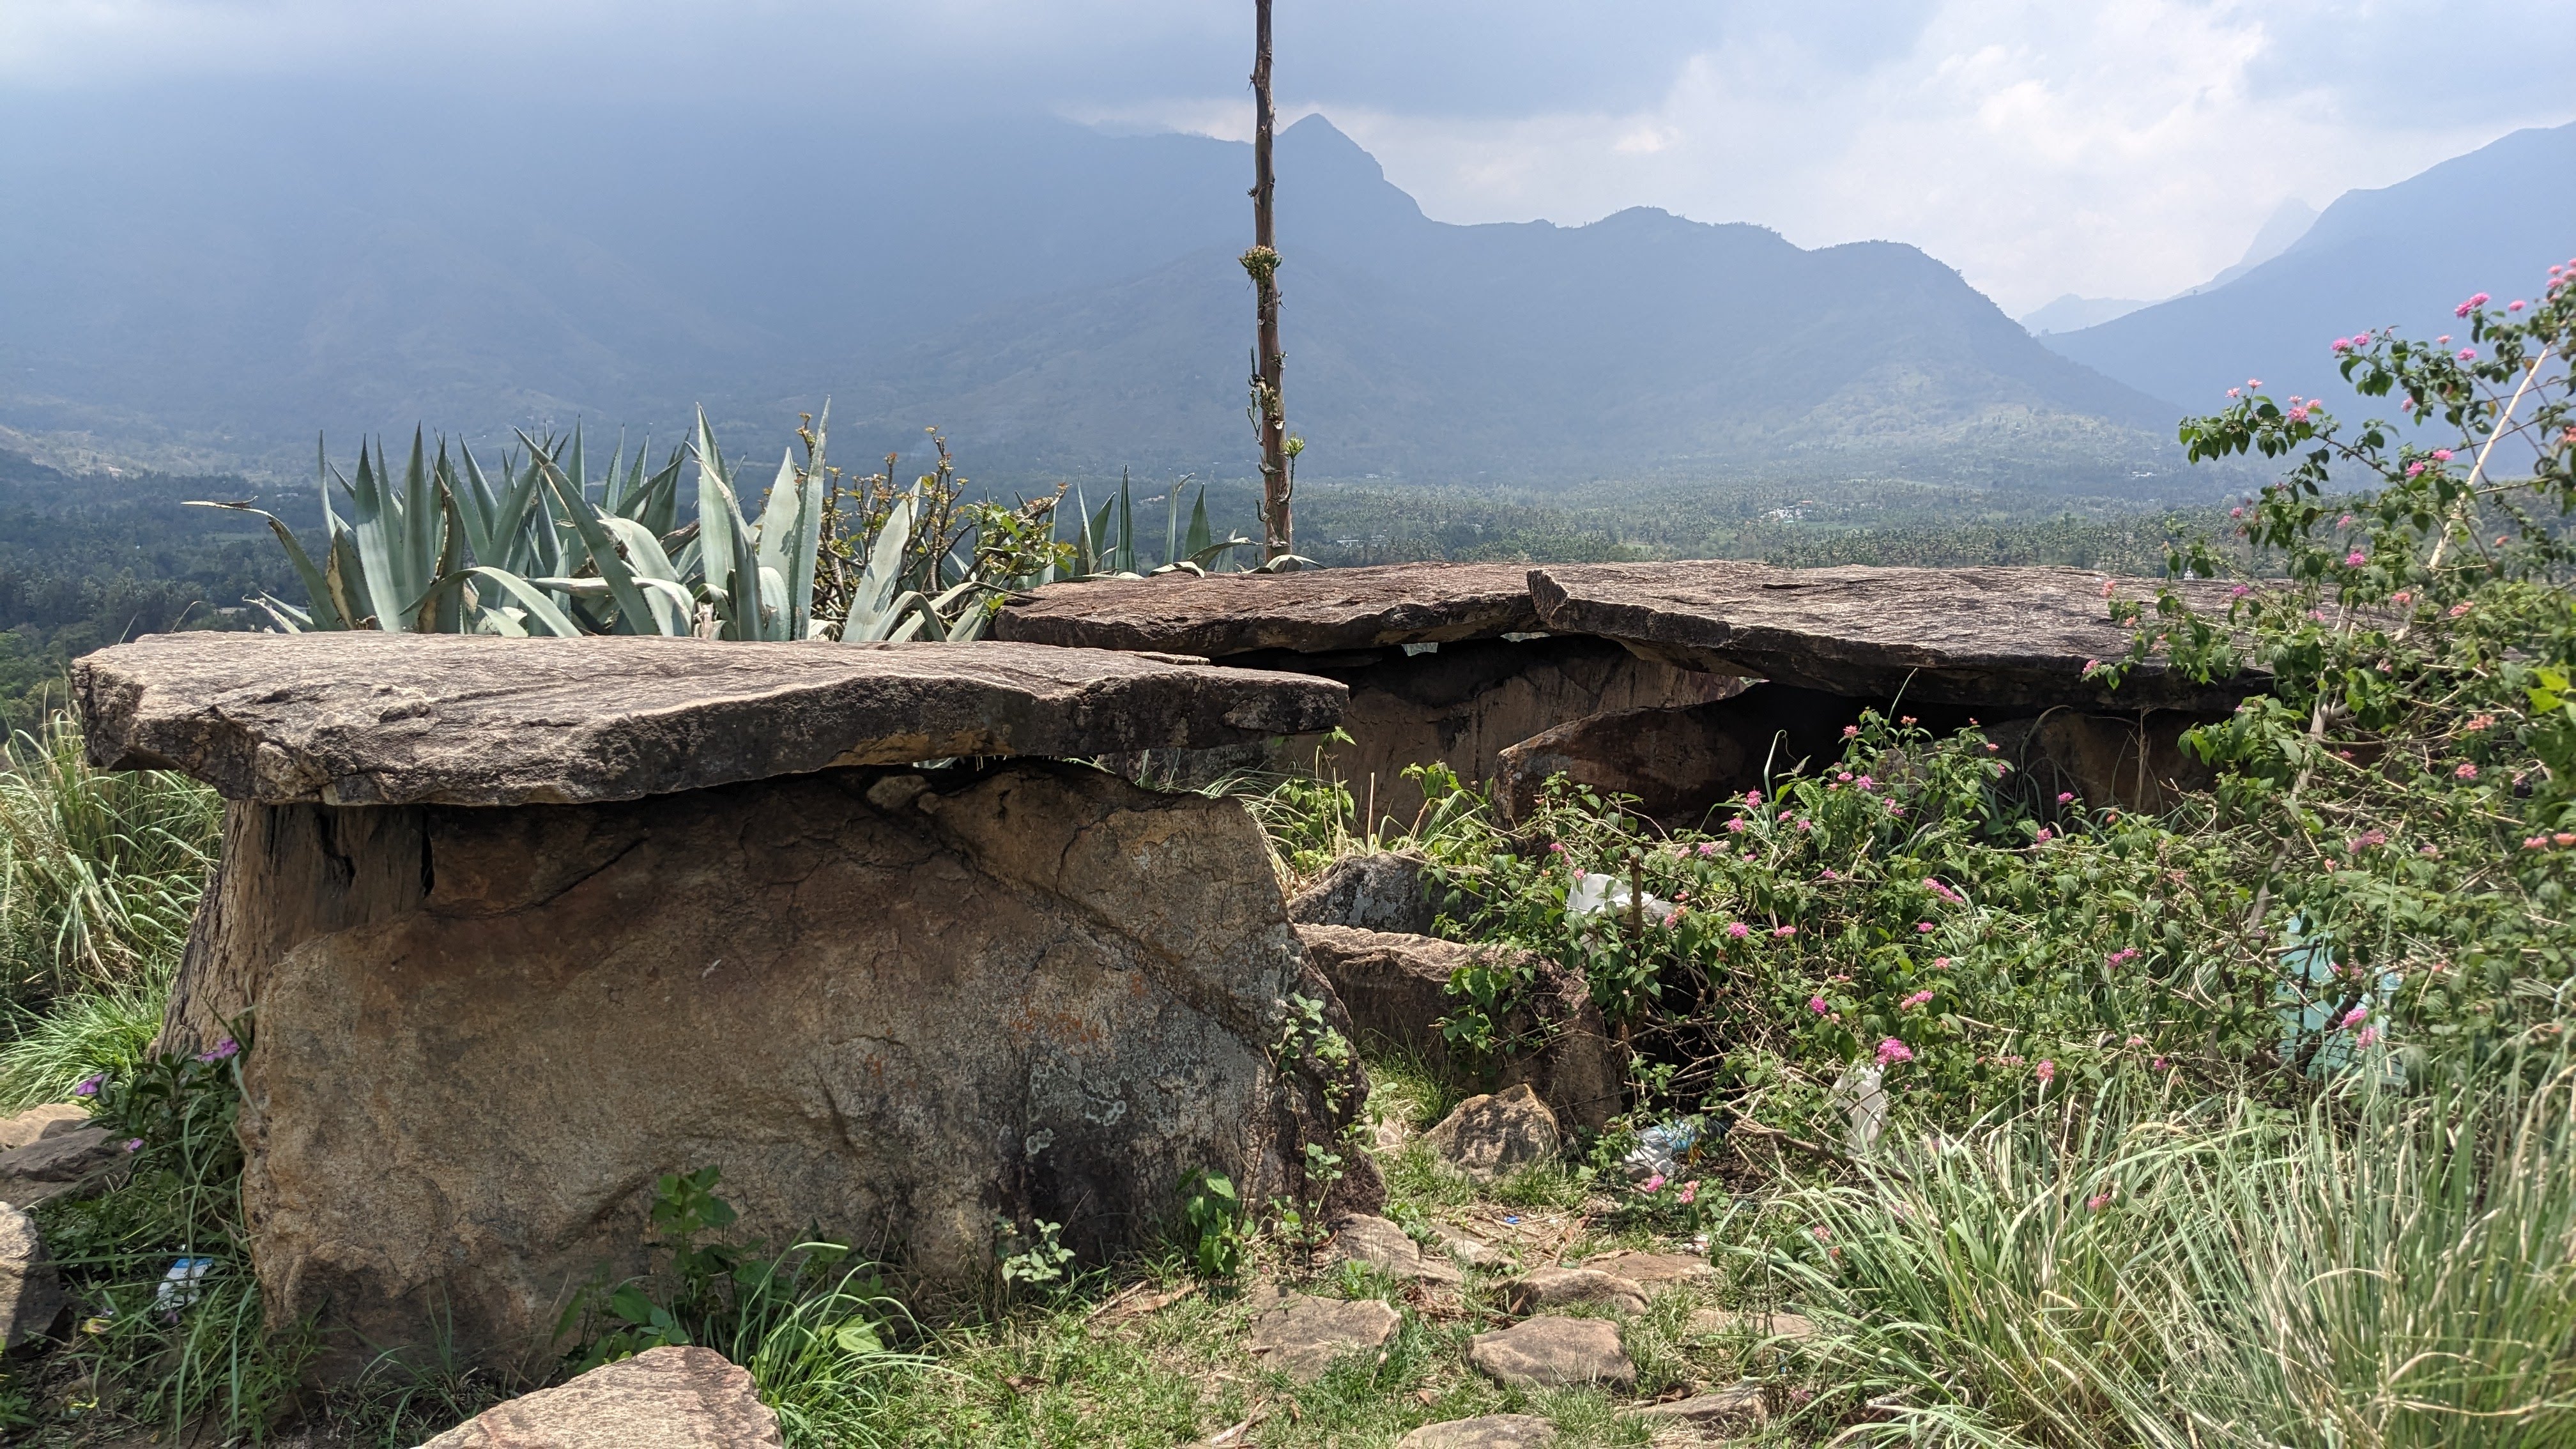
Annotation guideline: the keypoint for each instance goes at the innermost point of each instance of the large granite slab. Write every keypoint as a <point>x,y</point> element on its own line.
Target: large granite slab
<point>1319,611</point>
<point>395,719</point>
<point>2001,638</point>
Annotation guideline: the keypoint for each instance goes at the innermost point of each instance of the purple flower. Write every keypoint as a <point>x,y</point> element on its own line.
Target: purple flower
<point>1923,926</point>
<point>221,1051</point>
<point>133,1144</point>
<point>1817,1005</point>
<point>89,1085</point>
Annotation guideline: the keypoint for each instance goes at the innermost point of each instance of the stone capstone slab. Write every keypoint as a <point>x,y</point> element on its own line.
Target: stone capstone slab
<point>1300,1335</point>
<point>662,1398</point>
<point>1997,637</point>
<point>890,1006</point>
<point>365,718</point>
<point>1314,611</point>
<point>31,1293</point>
<point>1489,1431</point>
<point>1552,1352</point>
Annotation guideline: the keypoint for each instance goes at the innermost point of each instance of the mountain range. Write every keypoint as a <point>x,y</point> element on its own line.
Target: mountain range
<point>214,277</point>
<point>2493,221</point>
<point>1062,301</point>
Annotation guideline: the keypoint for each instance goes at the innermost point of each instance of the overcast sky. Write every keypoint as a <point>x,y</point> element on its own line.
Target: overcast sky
<point>2105,147</point>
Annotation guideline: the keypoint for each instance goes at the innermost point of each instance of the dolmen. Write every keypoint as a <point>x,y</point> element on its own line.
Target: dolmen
<point>1676,683</point>
<point>1446,663</point>
<point>515,927</point>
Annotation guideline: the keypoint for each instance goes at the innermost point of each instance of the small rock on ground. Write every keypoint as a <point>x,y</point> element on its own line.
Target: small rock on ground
<point>1301,1336</point>
<point>663,1398</point>
<point>66,1162</point>
<point>37,1123</point>
<point>1557,1287</point>
<point>1491,1137</point>
<point>1719,1322</point>
<point>1654,1272</point>
<point>1550,1352</point>
<point>1735,1404</point>
<point>1382,1245</point>
<point>1473,1252</point>
<point>1493,1431</point>
<point>31,1293</point>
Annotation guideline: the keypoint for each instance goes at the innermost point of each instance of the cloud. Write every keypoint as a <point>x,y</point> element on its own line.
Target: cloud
<point>2129,149</point>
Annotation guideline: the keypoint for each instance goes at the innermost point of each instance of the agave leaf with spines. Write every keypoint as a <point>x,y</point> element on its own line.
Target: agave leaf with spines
<point>635,612</point>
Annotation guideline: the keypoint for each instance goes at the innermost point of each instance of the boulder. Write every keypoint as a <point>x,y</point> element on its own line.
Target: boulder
<point>74,1162</point>
<point>662,1398</point>
<point>1396,988</point>
<point>31,1293</point>
<point>1554,1353</point>
<point>891,1007</point>
<point>1542,1288</point>
<point>1381,891</point>
<point>1742,1404</point>
<point>1994,637</point>
<point>36,1123</point>
<point>364,718</point>
<point>1491,1431</point>
<point>1314,611</point>
<point>1301,1336</point>
<point>1679,762</point>
<point>1654,1272</point>
<point>1473,1252</point>
<point>1493,1136</point>
<point>1380,1244</point>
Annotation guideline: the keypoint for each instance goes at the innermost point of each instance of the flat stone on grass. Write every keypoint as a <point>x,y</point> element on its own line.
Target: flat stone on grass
<point>1740,1404</point>
<point>1380,1244</point>
<point>1301,1336</point>
<point>1723,1322</point>
<point>1542,1288</point>
<point>1491,1431</point>
<point>38,1123</point>
<point>663,1398</point>
<point>1653,1272</point>
<point>1550,1352</point>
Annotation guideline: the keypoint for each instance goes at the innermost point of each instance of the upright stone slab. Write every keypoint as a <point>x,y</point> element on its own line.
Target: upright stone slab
<point>1446,663</point>
<point>618,908</point>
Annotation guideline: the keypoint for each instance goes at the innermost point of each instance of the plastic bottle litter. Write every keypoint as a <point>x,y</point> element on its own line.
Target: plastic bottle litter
<point>180,1286</point>
<point>1599,894</point>
<point>1864,1105</point>
<point>1662,1150</point>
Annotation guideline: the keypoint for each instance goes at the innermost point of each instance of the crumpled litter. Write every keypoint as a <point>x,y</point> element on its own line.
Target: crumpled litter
<point>1597,894</point>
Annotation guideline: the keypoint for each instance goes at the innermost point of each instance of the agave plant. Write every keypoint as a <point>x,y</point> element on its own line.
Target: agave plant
<point>549,550</point>
<point>1107,545</point>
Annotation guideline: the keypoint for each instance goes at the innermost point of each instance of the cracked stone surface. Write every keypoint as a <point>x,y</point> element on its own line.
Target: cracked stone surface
<point>1552,1352</point>
<point>1542,1288</point>
<point>1313,611</point>
<point>1491,1431</point>
<point>1382,1245</point>
<point>663,1398</point>
<point>1301,1335</point>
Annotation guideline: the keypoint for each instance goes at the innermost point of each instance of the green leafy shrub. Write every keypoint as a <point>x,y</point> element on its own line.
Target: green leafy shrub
<point>1213,1224</point>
